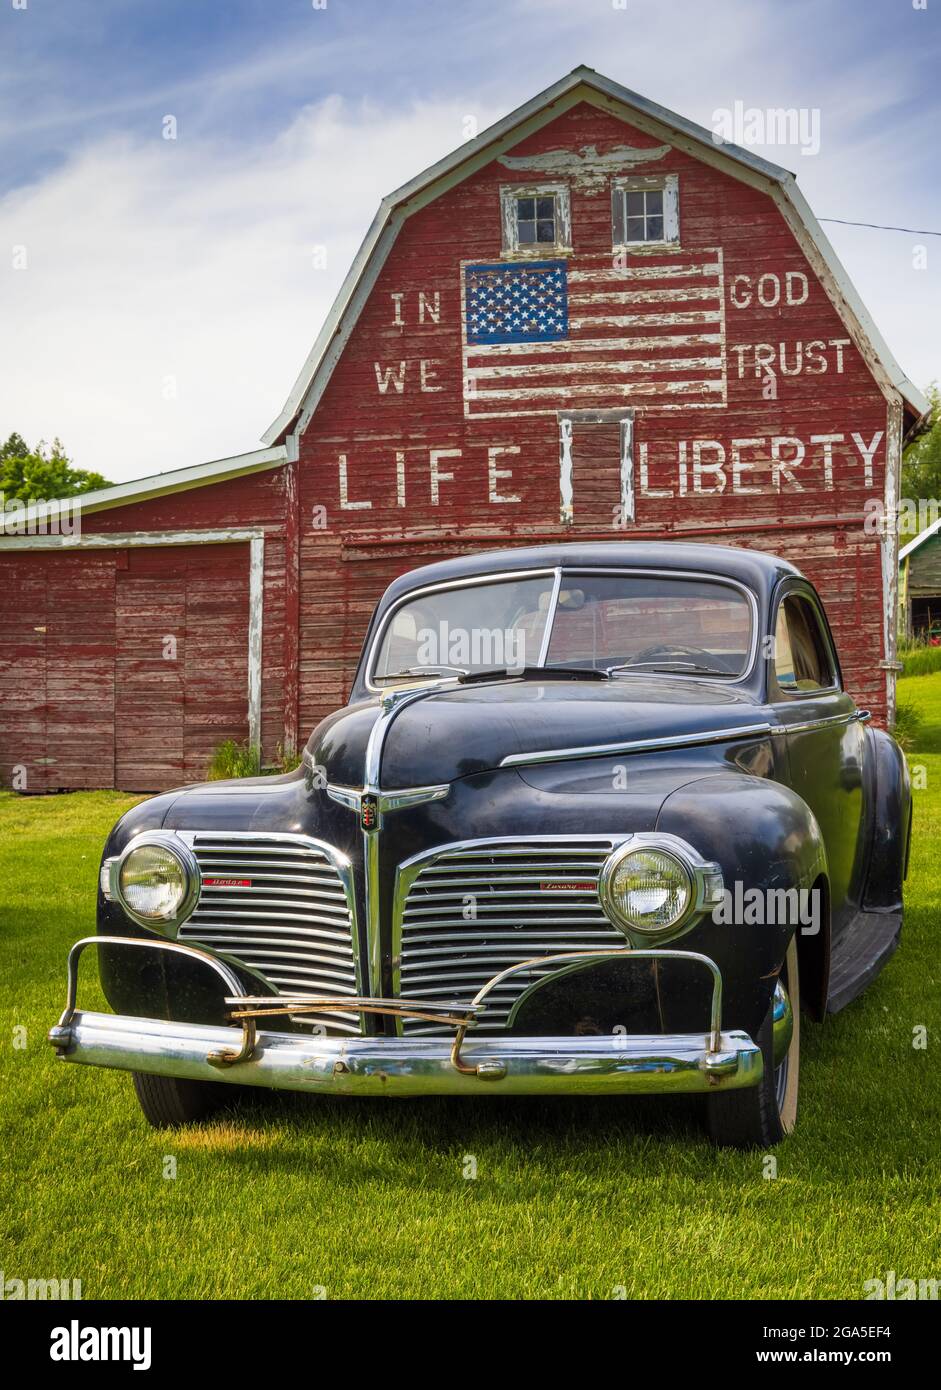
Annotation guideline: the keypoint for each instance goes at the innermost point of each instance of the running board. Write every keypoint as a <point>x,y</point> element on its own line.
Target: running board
<point>861,952</point>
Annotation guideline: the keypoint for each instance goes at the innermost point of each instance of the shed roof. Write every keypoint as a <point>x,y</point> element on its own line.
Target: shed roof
<point>920,539</point>
<point>159,484</point>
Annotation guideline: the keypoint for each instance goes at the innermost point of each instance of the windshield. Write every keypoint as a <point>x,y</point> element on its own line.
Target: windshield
<point>477,627</point>
<point>619,623</point>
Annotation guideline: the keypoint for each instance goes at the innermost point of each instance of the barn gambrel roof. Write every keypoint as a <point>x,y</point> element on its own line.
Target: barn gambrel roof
<point>583,84</point>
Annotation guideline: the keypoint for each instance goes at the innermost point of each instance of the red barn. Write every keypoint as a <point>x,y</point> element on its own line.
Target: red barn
<point>590,320</point>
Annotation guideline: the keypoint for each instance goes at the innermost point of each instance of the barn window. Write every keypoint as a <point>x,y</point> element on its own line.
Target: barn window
<point>536,219</point>
<point>645,211</point>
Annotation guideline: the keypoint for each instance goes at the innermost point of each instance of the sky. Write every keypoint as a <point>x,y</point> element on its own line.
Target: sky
<point>159,295</point>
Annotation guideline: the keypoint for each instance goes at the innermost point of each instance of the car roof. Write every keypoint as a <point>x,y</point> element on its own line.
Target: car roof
<point>756,569</point>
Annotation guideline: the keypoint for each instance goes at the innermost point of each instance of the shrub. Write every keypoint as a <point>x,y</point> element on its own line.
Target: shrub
<point>287,762</point>
<point>233,759</point>
<point>908,725</point>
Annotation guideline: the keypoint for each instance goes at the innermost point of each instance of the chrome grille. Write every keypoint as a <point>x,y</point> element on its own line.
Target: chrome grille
<point>281,907</point>
<point>471,910</point>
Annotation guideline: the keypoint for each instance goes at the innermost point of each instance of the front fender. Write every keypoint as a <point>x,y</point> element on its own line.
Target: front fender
<point>157,984</point>
<point>766,838</point>
<point>760,831</point>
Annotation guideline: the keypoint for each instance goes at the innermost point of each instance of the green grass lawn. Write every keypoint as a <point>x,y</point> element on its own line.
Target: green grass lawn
<point>290,1196</point>
<point>923,694</point>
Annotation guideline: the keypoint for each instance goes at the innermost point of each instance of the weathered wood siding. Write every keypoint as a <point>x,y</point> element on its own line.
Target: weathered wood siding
<point>924,570</point>
<point>56,671</point>
<point>121,667</point>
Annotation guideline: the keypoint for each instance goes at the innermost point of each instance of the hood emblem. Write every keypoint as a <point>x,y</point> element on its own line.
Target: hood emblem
<point>371,806</point>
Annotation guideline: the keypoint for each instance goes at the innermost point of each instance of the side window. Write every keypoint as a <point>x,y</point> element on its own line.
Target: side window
<point>536,218</point>
<point>801,653</point>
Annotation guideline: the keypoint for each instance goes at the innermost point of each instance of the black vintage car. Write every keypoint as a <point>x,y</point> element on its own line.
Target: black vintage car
<point>597,819</point>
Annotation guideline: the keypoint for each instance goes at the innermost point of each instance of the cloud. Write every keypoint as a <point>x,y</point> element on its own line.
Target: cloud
<point>170,293</point>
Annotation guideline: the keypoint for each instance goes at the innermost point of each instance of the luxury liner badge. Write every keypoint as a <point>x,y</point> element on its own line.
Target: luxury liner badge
<point>369,811</point>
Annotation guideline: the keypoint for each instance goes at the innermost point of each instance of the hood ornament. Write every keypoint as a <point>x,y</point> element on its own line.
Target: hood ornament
<point>371,805</point>
<point>369,802</point>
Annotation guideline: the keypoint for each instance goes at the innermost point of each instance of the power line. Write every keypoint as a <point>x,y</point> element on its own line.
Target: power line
<point>877,226</point>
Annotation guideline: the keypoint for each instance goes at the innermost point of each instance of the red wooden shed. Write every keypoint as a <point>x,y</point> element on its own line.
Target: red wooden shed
<point>592,320</point>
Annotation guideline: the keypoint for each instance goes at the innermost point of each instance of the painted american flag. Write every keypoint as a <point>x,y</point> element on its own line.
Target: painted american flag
<point>590,333</point>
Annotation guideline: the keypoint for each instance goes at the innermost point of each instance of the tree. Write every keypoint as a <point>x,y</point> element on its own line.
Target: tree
<point>921,462</point>
<point>34,474</point>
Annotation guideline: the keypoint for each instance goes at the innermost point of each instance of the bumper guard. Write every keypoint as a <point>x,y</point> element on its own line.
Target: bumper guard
<point>511,1065</point>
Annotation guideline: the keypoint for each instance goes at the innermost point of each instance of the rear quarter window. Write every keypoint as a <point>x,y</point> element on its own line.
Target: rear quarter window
<point>802,659</point>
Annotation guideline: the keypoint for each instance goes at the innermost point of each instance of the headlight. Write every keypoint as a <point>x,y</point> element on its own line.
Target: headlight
<point>652,889</point>
<point>156,881</point>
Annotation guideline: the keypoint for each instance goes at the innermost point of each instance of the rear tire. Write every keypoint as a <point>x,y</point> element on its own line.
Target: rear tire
<point>169,1102</point>
<point>759,1117</point>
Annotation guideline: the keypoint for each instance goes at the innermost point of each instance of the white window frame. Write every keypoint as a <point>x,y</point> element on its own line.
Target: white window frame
<point>509,193</point>
<point>669,186</point>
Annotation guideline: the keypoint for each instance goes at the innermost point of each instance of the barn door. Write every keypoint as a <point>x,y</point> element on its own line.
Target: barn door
<point>216,671</point>
<point>596,468</point>
<point>80,669</point>
<point>57,671</point>
<point>23,673</point>
<point>121,667</point>
<point>150,649</point>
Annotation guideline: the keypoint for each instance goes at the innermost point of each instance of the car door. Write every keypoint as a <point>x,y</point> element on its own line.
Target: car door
<point>825,737</point>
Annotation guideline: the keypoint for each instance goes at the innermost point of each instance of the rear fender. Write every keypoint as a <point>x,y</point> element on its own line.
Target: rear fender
<point>889,823</point>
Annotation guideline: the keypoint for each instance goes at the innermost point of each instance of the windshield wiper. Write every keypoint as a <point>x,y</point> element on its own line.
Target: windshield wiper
<point>669,665</point>
<point>411,672</point>
<point>534,673</point>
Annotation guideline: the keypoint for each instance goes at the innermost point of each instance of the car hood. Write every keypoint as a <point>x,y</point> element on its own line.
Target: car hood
<point>456,732</point>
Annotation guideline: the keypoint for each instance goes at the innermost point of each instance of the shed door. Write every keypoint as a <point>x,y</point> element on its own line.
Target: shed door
<point>181,661</point>
<point>121,668</point>
<point>23,672</point>
<point>150,615</point>
<point>57,671</point>
<point>80,669</point>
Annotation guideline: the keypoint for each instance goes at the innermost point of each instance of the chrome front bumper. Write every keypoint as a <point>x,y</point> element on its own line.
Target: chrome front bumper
<point>404,1066</point>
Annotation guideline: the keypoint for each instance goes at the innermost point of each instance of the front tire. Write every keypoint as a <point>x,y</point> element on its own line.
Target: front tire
<point>170,1102</point>
<point>759,1117</point>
